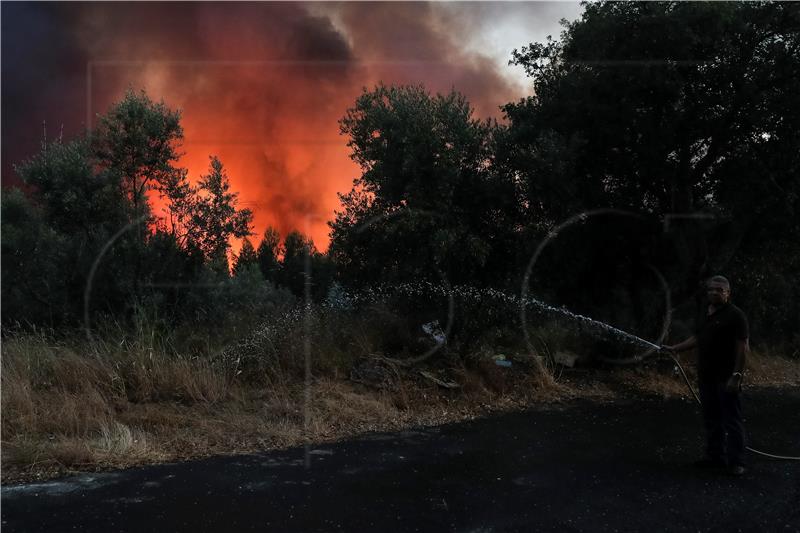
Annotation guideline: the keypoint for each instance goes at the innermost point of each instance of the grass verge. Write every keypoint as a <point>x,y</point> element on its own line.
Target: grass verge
<point>66,408</point>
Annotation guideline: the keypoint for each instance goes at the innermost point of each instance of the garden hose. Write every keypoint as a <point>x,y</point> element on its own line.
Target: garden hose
<point>696,397</point>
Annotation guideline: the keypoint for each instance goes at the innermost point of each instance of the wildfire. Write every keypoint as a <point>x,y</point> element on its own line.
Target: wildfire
<point>260,85</point>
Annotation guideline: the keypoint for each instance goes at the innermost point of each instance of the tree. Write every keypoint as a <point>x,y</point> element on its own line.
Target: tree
<point>301,258</point>
<point>53,236</point>
<point>322,275</point>
<point>215,217</point>
<point>231,306</point>
<point>181,198</point>
<point>269,250</point>
<point>31,254</point>
<point>169,268</point>
<point>247,256</point>
<point>656,112</point>
<point>665,109</point>
<point>74,197</point>
<point>297,254</point>
<point>427,203</point>
<point>138,140</point>
<point>75,228</point>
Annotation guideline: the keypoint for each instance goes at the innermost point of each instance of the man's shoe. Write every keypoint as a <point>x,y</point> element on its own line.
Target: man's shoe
<point>709,464</point>
<point>736,470</point>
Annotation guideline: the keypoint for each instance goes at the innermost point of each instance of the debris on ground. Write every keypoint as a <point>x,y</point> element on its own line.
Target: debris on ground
<point>500,360</point>
<point>374,372</point>
<point>446,383</point>
<point>566,359</point>
<point>434,331</point>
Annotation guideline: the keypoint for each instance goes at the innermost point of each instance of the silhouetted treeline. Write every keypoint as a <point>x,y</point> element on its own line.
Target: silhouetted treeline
<point>681,117</point>
<point>83,242</point>
<point>674,127</point>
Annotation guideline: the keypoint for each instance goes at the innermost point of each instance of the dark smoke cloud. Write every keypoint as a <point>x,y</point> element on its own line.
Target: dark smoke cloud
<point>249,78</point>
<point>261,85</point>
<point>43,80</point>
<point>415,43</point>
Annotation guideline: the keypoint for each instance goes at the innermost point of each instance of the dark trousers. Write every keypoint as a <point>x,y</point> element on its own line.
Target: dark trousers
<point>722,417</point>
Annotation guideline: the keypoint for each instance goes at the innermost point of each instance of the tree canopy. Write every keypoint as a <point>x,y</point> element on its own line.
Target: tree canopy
<point>425,205</point>
<point>683,111</point>
<point>86,221</point>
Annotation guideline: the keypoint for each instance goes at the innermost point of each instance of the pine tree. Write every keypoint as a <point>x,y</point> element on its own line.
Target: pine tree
<point>247,256</point>
<point>268,252</point>
<point>297,247</point>
<point>215,217</point>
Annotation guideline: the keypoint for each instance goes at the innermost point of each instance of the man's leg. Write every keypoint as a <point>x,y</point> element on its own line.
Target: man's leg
<point>712,419</point>
<point>734,427</point>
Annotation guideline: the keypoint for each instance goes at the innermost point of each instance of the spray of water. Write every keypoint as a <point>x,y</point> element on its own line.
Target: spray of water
<point>348,300</point>
<point>267,339</point>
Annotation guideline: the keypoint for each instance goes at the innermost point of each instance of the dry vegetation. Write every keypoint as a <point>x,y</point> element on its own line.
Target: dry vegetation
<point>663,379</point>
<point>120,405</point>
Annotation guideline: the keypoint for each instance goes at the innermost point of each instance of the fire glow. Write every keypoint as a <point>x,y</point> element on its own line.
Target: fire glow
<point>260,85</point>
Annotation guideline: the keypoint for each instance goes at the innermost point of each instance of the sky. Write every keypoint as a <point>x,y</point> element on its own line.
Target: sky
<point>260,85</point>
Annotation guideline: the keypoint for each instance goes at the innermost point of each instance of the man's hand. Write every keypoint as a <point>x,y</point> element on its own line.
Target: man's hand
<point>688,344</point>
<point>734,383</point>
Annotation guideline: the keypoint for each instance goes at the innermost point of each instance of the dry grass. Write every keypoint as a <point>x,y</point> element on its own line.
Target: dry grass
<point>766,369</point>
<point>65,408</point>
<point>761,369</point>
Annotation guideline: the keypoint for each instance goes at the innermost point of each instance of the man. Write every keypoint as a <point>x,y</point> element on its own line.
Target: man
<point>721,338</point>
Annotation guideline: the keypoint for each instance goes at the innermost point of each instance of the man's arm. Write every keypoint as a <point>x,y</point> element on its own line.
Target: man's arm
<point>688,344</point>
<point>742,346</point>
<point>734,383</point>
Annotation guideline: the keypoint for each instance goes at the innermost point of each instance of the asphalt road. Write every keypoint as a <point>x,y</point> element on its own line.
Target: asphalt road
<point>580,467</point>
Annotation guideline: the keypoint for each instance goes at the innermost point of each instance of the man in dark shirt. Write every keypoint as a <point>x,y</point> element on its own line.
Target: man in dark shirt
<point>721,338</point>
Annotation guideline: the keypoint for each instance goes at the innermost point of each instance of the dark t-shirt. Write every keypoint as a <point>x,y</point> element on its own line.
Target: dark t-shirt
<point>716,335</point>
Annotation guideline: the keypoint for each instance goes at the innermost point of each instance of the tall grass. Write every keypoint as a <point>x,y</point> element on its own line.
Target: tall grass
<point>150,393</point>
<point>142,394</point>
<point>63,404</point>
